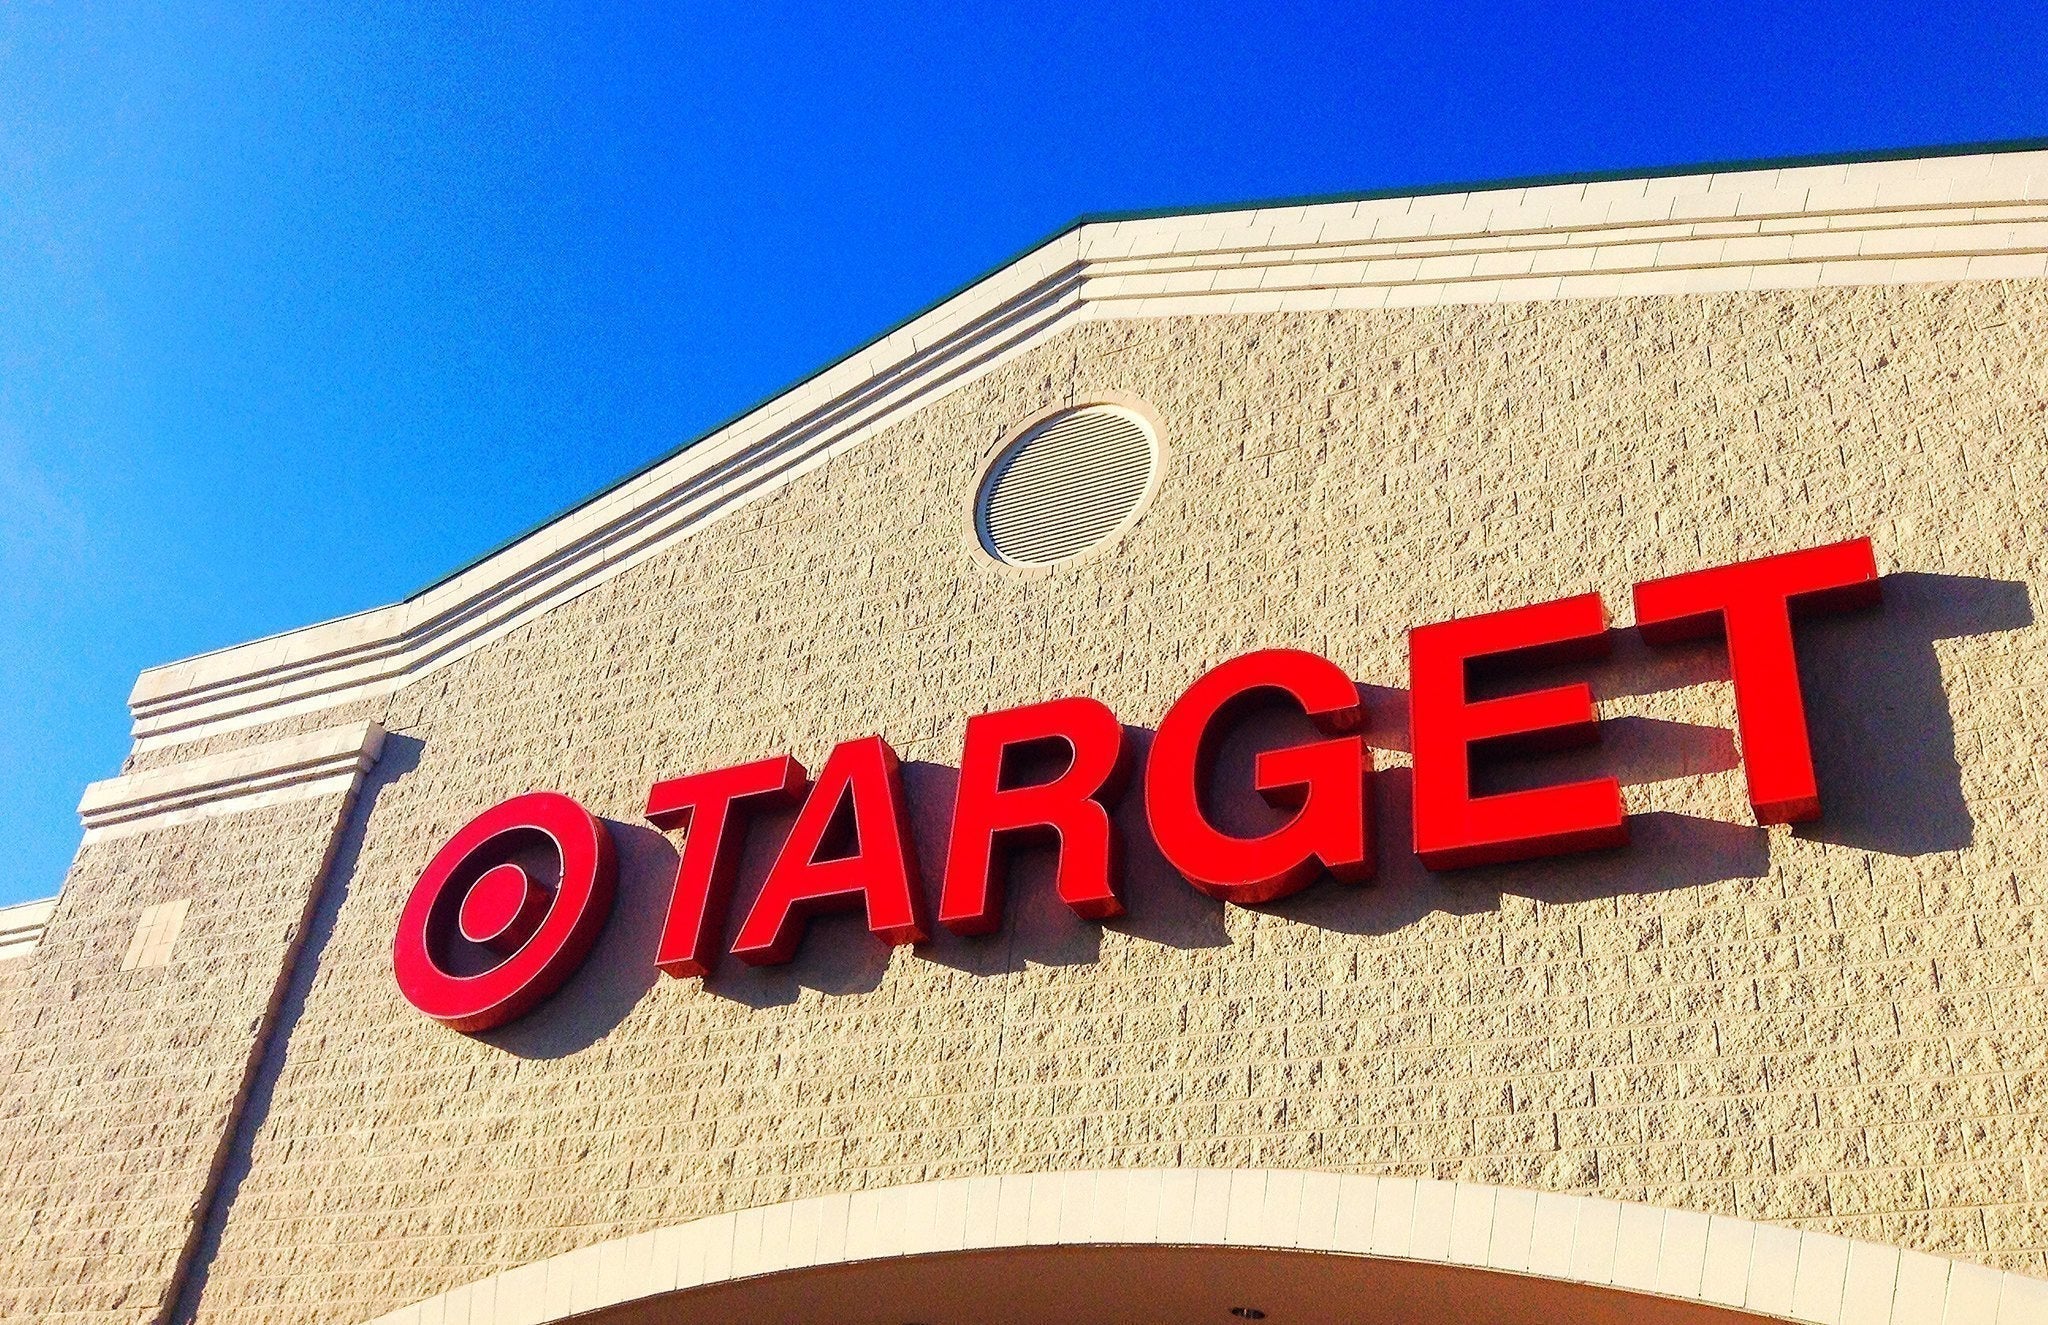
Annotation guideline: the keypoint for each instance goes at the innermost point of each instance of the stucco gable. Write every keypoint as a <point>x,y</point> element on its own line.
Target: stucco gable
<point>1977,215</point>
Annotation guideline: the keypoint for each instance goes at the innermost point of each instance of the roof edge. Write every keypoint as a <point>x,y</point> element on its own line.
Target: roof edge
<point>1885,217</point>
<point>1715,167</point>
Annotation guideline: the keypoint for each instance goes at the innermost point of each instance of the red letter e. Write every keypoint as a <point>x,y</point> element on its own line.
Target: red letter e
<point>1454,828</point>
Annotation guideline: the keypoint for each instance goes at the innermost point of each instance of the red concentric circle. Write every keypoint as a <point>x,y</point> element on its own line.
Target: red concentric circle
<point>474,862</point>
<point>502,909</point>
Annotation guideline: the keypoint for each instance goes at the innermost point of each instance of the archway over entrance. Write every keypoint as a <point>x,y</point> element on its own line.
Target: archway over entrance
<point>1158,1286</point>
<point>1189,1246</point>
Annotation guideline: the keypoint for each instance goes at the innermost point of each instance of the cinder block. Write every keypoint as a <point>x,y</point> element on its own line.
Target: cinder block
<point>1840,1029</point>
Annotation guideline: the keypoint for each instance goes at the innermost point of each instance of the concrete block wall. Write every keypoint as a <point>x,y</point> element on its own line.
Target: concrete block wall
<point>119,1082</point>
<point>1842,1029</point>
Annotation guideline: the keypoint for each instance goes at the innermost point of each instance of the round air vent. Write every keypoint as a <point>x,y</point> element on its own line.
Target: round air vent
<point>1067,485</point>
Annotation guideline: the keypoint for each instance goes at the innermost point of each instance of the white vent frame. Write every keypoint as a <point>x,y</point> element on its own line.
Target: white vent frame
<point>1139,411</point>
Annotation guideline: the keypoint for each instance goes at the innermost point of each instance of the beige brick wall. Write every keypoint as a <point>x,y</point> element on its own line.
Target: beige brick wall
<point>1844,1029</point>
<point>116,1086</point>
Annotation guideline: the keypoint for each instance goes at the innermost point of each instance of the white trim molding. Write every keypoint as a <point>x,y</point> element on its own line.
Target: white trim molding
<point>322,763</point>
<point>1713,1260</point>
<point>1937,219</point>
<point>22,925</point>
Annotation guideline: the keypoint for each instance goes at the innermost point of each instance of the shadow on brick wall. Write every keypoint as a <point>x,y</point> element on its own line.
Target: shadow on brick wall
<point>1880,711</point>
<point>1665,852</point>
<point>1670,851</point>
<point>838,955</point>
<point>1884,740</point>
<point>1040,930</point>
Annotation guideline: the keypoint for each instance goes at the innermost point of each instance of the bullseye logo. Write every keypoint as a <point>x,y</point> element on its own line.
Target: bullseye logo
<point>505,912</point>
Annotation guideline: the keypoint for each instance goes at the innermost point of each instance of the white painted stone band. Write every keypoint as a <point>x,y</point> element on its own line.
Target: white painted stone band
<point>319,763</point>
<point>21,926</point>
<point>1957,218</point>
<point>1794,251</point>
<point>1760,1268</point>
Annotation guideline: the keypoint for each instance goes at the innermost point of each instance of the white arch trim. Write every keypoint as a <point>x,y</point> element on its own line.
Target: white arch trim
<point>1713,1259</point>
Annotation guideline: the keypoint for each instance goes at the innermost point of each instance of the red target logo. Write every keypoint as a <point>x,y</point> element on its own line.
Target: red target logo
<point>505,912</point>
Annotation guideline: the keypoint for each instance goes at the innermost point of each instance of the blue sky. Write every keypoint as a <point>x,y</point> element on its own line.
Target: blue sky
<point>302,307</point>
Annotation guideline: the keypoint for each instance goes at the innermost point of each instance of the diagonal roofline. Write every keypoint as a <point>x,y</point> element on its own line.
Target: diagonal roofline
<point>1900,216</point>
<point>1668,171</point>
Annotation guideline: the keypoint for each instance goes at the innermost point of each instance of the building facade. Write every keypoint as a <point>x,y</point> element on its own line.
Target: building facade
<point>1722,1071</point>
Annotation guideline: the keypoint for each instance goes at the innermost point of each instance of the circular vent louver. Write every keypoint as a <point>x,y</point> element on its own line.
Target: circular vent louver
<point>1066,486</point>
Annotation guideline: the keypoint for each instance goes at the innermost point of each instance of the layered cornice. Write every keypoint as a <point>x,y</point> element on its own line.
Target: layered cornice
<point>323,763</point>
<point>1977,216</point>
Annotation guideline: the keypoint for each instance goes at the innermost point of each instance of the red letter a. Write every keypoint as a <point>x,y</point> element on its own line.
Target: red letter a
<point>880,874</point>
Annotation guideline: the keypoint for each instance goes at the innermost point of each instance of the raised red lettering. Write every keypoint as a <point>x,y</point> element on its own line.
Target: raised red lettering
<point>1454,828</point>
<point>1325,779</point>
<point>564,921</point>
<point>1751,604</point>
<point>879,873</point>
<point>705,805</point>
<point>486,935</point>
<point>1069,811</point>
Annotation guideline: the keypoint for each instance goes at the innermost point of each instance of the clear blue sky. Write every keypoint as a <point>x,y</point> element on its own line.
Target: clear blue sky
<point>301,307</point>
